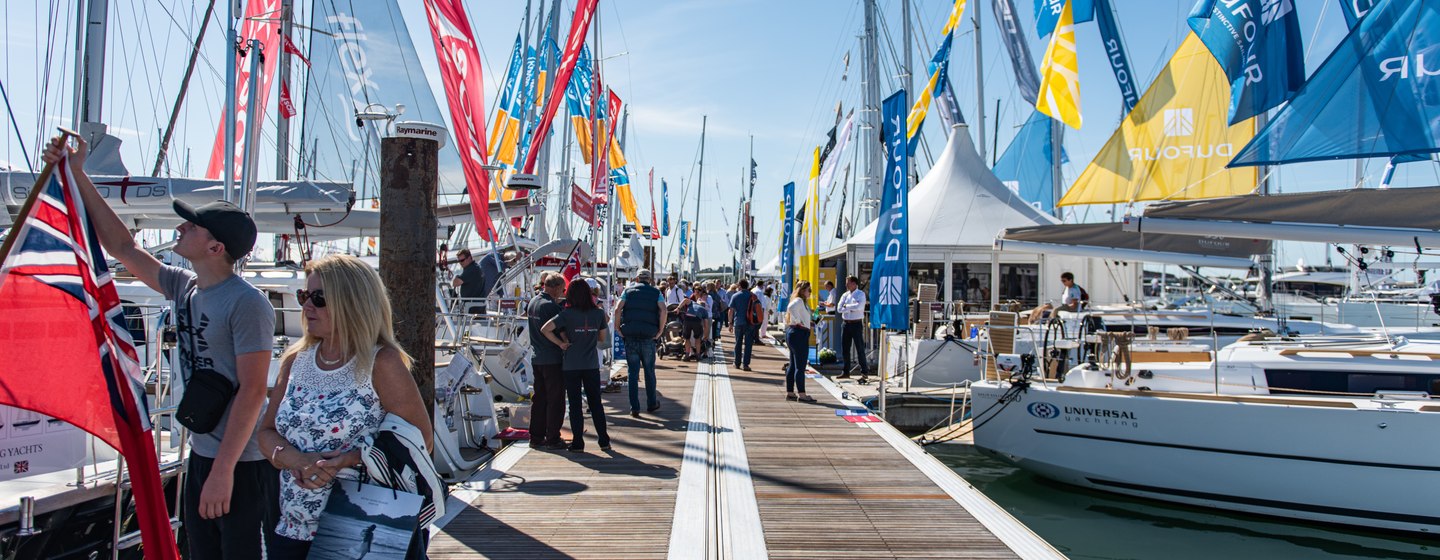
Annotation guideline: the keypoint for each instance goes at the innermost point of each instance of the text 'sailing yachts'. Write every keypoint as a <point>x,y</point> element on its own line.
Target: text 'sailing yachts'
<point>1338,431</point>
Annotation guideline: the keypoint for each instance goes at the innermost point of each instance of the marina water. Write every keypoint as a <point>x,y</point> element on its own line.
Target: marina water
<point>1097,525</point>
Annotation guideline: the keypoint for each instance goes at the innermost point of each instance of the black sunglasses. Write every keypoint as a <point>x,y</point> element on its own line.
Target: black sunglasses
<point>316,296</point>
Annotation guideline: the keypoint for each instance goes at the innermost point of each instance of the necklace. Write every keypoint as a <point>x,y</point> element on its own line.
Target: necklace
<point>320,355</point>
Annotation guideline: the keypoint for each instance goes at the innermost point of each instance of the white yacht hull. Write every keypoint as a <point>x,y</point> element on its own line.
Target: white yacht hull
<point>1293,457</point>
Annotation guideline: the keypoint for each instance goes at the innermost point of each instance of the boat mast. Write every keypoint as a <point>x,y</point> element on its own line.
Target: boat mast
<point>92,93</point>
<point>228,125</point>
<point>184,88</point>
<point>250,170</point>
<point>907,77</point>
<point>699,186</point>
<point>979,83</point>
<point>595,131</point>
<point>1266,262</point>
<point>566,175</point>
<point>539,229</point>
<point>870,205</point>
<point>282,122</point>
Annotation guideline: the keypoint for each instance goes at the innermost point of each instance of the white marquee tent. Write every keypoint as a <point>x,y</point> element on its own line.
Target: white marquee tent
<point>956,211</point>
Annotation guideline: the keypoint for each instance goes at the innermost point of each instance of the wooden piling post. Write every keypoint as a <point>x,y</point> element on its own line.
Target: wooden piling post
<point>409,176</point>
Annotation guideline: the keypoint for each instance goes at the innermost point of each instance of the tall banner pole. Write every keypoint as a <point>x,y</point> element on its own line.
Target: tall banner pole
<point>890,281</point>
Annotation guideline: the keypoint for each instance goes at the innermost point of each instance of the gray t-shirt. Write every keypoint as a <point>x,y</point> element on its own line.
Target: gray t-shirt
<point>582,329</point>
<point>540,311</point>
<point>228,319</point>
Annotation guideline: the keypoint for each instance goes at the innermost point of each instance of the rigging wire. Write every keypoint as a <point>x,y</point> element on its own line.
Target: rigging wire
<point>11,111</point>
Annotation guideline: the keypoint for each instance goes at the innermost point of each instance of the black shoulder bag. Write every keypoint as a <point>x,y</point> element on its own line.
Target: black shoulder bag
<point>207,392</point>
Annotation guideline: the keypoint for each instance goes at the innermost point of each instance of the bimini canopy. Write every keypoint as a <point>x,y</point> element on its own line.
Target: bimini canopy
<point>1110,241</point>
<point>959,202</point>
<point>1405,217</point>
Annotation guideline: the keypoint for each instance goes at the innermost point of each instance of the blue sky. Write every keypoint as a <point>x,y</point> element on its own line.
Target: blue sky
<point>770,69</point>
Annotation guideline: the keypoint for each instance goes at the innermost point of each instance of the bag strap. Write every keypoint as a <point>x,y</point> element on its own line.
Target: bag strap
<point>184,323</point>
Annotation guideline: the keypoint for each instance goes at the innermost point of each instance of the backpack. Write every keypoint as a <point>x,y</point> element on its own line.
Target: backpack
<point>1084,295</point>
<point>754,312</point>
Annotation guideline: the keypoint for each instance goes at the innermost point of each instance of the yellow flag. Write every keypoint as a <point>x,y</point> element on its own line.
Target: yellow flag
<point>921,106</point>
<point>1060,75</point>
<point>1176,141</point>
<point>627,203</point>
<point>954,16</point>
<point>808,249</point>
<point>509,139</point>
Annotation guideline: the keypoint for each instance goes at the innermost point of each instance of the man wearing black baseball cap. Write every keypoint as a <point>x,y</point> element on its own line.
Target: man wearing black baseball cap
<point>225,339</point>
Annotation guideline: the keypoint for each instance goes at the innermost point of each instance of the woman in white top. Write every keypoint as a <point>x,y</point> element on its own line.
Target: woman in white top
<point>797,339</point>
<point>336,384</point>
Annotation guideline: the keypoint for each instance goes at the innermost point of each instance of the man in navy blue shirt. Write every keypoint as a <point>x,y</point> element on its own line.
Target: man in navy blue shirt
<point>746,318</point>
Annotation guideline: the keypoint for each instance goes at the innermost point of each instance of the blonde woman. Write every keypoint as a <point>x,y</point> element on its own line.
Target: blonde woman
<point>797,339</point>
<point>335,386</point>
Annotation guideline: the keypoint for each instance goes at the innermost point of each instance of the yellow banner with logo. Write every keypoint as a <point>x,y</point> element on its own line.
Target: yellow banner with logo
<point>1175,143</point>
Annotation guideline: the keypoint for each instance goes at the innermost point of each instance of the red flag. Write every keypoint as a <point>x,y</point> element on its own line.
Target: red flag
<point>582,205</point>
<point>292,49</point>
<point>460,69</point>
<point>579,27</point>
<point>64,327</point>
<point>287,106</point>
<point>572,264</point>
<point>259,23</point>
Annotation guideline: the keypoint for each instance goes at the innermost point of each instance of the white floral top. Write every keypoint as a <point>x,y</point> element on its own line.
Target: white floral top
<point>322,411</point>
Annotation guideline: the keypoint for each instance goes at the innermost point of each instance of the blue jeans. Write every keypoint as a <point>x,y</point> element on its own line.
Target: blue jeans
<point>639,352</point>
<point>745,335</point>
<point>798,340</point>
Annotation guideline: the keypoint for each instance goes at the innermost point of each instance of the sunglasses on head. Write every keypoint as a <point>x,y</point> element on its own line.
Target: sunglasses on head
<point>316,297</point>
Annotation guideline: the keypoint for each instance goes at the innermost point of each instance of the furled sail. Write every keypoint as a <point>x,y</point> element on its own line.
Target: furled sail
<point>1377,95</point>
<point>365,59</point>
<point>1174,145</point>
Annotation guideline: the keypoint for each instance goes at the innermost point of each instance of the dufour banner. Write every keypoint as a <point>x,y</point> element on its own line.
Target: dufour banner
<point>1027,78</point>
<point>664,208</point>
<point>787,247</point>
<point>1356,9</point>
<point>1257,42</point>
<point>1115,52</point>
<point>890,280</point>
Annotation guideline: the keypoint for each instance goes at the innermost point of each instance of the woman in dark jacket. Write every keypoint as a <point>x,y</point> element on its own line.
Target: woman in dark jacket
<point>577,330</point>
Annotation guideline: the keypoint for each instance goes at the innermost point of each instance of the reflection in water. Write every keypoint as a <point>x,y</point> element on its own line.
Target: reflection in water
<point>1084,523</point>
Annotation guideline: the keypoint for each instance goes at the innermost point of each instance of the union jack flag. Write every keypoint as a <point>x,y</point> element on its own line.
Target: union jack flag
<point>572,264</point>
<point>65,350</point>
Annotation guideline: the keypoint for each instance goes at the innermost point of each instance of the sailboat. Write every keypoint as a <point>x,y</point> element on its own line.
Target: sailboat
<point>1312,428</point>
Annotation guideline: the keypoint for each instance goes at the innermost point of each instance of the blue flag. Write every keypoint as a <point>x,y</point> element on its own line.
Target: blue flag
<point>1354,10</point>
<point>890,279</point>
<point>1115,52</point>
<point>787,246</point>
<point>664,208</point>
<point>1377,95</point>
<point>1047,12</point>
<point>684,240</point>
<point>1257,43</point>
<point>1026,165</point>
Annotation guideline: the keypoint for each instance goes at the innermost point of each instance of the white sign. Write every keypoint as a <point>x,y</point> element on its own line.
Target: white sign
<point>32,443</point>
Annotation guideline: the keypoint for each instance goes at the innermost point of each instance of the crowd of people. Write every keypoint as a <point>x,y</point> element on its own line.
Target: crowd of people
<point>263,460</point>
